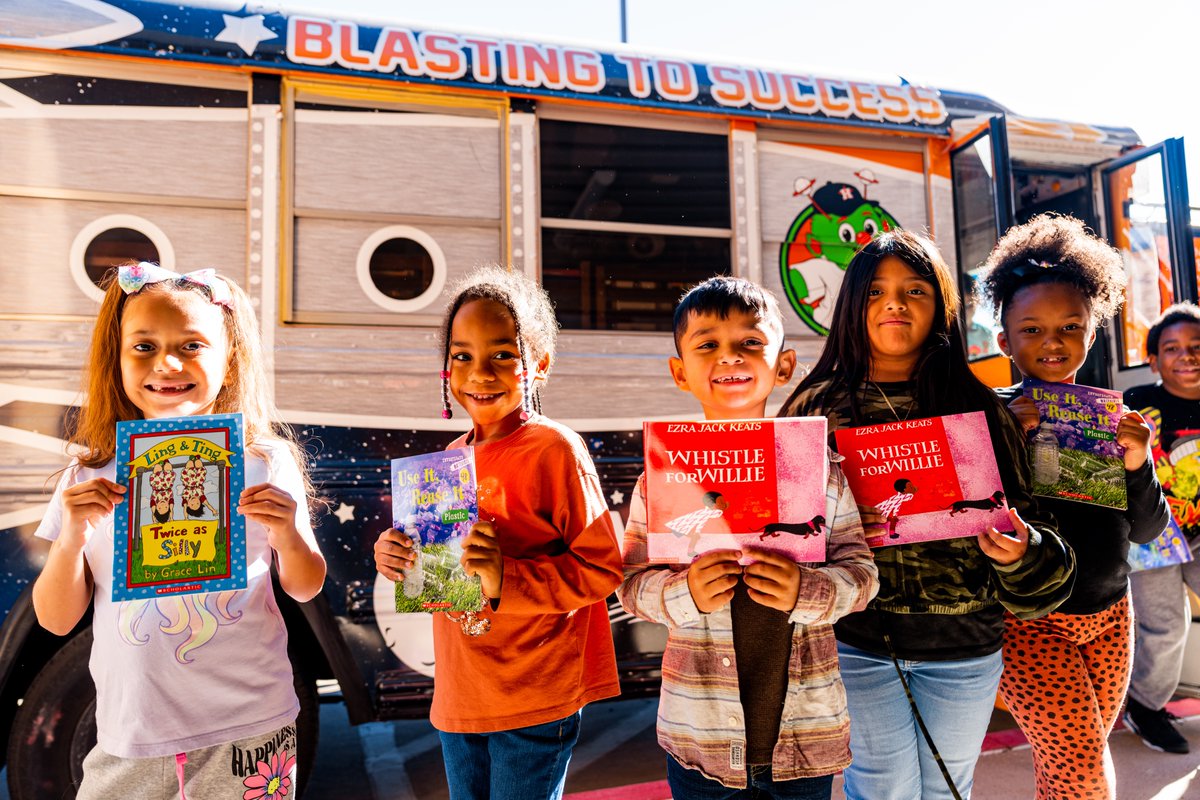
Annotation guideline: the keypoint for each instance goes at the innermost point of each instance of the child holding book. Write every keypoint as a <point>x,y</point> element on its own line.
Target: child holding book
<point>896,352</point>
<point>751,703</point>
<point>511,680</point>
<point>167,345</point>
<point>1051,284</point>
<point>1160,606</point>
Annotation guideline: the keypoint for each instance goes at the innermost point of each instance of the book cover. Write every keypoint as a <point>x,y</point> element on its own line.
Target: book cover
<point>1073,454</point>
<point>733,484</point>
<point>178,531</point>
<point>1179,473</point>
<point>1169,548</point>
<point>932,478</point>
<point>434,503</point>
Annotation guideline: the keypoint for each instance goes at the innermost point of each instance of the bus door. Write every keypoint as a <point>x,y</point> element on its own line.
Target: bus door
<point>981,175</point>
<point>1146,217</point>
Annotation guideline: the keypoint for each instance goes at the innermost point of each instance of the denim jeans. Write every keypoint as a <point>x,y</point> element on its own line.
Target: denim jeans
<point>892,760</point>
<point>521,764</point>
<point>688,784</point>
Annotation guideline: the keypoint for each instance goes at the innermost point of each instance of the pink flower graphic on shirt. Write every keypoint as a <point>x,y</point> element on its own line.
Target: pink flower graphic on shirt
<point>273,780</point>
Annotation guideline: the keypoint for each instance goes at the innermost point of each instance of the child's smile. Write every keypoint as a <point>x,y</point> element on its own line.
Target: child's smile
<point>730,364</point>
<point>173,353</point>
<point>1178,359</point>
<point>485,368</point>
<point>1047,331</point>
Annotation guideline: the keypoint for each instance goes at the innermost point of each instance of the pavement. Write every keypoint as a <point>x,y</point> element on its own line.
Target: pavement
<point>618,759</point>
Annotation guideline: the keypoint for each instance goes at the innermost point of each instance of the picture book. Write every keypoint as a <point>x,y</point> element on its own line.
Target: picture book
<point>433,502</point>
<point>1074,453</point>
<point>736,484</point>
<point>1169,548</point>
<point>933,478</point>
<point>178,531</point>
<point>1179,473</point>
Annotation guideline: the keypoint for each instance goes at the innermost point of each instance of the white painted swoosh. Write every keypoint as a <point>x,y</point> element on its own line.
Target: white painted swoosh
<point>119,24</point>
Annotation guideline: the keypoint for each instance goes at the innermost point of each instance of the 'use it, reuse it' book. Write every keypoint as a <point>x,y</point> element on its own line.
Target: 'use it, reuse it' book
<point>178,532</point>
<point>1074,453</point>
<point>733,484</point>
<point>932,478</point>
<point>434,504</point>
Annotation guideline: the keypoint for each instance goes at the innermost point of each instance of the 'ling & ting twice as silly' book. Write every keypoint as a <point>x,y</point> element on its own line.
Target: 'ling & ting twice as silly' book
<point>1073,454</point>
<point>434,504</point>
<point>933,478</point>
<point>736,484</point>
<point>178,532</point>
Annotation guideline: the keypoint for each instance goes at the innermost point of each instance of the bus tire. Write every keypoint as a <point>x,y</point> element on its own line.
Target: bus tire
<point>55,726</point>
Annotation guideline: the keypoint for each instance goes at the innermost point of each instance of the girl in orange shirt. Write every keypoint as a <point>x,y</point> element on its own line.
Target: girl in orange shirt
<point>511,681</point>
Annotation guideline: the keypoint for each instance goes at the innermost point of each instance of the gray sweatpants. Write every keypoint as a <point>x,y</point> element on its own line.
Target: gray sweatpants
<point>1162,618</point>
<point>254,767</point>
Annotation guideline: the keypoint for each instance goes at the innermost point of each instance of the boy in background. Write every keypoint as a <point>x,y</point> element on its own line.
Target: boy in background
<point>737,711</point>
<point>1160,605</point>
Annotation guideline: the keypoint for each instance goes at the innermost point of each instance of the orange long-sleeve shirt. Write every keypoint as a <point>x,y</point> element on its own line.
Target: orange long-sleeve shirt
<point>549,651</point>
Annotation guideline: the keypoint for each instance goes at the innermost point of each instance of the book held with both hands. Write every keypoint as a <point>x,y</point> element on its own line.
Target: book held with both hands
<point>736,484</point>
<point>1074,453</point>
<point>929,479</point>
<point>434,504</point>
<point>178,532</point>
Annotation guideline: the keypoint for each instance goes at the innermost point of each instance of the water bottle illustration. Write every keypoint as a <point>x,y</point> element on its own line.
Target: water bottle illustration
<point>414,579</point>
<point>1046,467</point>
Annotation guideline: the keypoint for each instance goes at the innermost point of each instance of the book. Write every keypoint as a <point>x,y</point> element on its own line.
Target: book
<point>1179,474</point>
<point>736,484</point>
<point>1074,453</point>
<point>434,503</point>
<point>932,478</point>
<point>1169,548</point>
<point>178,533</point>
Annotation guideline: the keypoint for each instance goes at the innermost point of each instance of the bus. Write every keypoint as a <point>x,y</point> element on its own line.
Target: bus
<point>347,171</point>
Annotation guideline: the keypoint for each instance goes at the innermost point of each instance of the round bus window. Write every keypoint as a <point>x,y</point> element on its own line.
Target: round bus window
<point>114,247</point>
<point>402,269</point>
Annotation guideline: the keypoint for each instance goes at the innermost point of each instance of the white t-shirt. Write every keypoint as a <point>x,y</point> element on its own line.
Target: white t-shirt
<point>174,674</point>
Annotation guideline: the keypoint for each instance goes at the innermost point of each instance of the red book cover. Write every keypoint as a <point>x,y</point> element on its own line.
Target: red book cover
<point>733,484</point>
<point>933,478</point>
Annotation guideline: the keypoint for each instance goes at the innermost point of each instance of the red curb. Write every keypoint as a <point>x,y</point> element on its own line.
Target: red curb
<point>655,790</point>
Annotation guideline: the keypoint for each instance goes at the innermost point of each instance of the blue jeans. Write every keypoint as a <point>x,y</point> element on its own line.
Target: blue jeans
<point>892,760</point>
<point>521,764</point>
<point>688,784</point>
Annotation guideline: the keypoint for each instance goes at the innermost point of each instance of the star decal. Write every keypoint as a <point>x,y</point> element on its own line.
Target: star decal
<point>617,497</point>
<point>245,32</point>
<point>345,512</point>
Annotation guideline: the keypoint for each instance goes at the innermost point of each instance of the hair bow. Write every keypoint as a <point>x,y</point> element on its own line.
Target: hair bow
<point>1032,267</point>
<point>133,277</point>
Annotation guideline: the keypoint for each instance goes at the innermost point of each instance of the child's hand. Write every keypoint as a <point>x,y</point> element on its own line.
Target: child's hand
<point>1026,412</point>
<point>871,519</point>
<point>87,502</point>
<point>1133,434</point>
<point>711,578</point>
<point>394,553</point>
<point>1003,548</point>
<point>773,580</point>
<point>275,510</point>
<point>481,556</point>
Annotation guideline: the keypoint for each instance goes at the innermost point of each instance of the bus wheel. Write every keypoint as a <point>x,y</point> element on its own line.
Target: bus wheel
<point>55,726</point>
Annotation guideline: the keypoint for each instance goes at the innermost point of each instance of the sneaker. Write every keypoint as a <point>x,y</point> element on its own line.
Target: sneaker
<point>1154,728</point>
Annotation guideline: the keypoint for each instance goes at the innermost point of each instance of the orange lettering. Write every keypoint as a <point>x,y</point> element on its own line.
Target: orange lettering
<point>397,46</point>
<point>349,55</point>
<point>728,86</point>
<point>309,41</point>
<point>443,59</point>
<point>638,71</point>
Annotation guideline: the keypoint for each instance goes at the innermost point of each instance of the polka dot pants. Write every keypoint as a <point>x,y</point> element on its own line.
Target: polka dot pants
<point>1065,677</point>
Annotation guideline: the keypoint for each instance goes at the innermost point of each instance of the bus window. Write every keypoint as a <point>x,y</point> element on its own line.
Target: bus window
<point>1138,228</point>
<point>630,218</point>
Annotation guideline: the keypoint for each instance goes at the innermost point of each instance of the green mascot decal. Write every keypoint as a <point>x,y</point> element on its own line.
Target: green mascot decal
<point>822,239</point>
